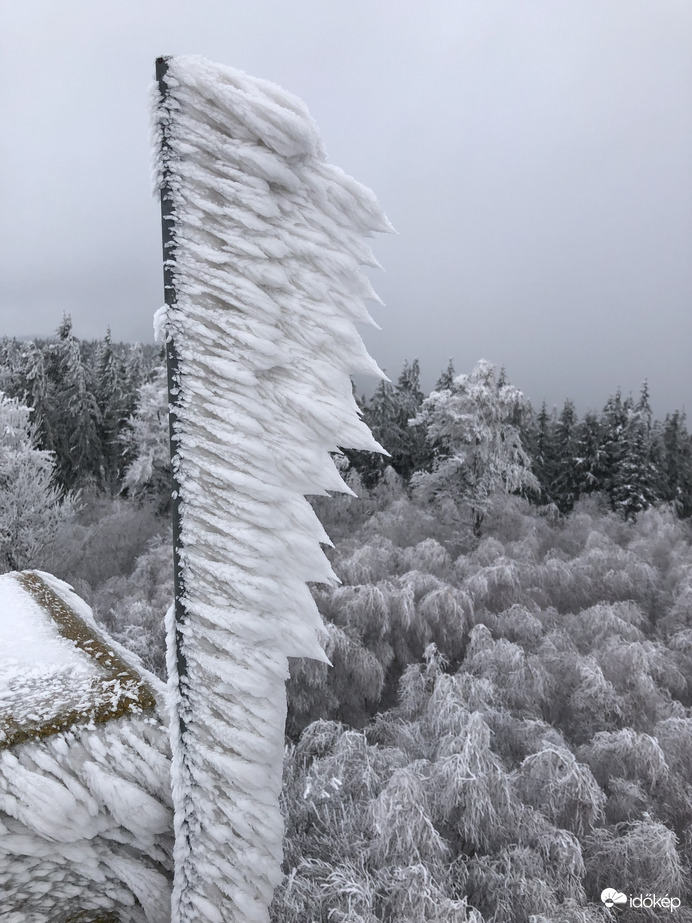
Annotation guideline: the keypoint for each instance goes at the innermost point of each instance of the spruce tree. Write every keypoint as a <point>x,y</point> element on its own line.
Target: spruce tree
<point>538,435</point>
<point>78,418</point>
<point>134,376</point>
<point>388,414</point>
<point>634,479</point>
<point>110,397</point>
<point>614,423</point>
<point>412,452</point>
<point>676,463</point>
<point>35,392</point>
<point>446,379</point>
<point>565,485</point>
<point>589,458</point>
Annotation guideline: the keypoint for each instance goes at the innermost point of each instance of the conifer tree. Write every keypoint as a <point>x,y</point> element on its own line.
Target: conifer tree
<point>110,397</point>
<point>537,433</point>
<point>565,485</point>
<point>387,414</point>
<point>134,376</point>
<point>614,423</point>
<point>34,388</point>
<point>412,453</point>
<point>633,485</point>
<point>79,450</point>
<point>446,379</point>
<point>676,463</point>
<point>589,459</point>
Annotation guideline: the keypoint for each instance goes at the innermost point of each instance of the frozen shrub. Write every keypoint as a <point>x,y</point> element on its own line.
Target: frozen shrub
<point>552,583</point>
<point>519,624</point>
<point>633,853</point>
<point>679,616</point>
<point>347,889</point>
<point>534,707</point>
<point>317,740</point>
<point>496,586</point>
<point>105,541</point>
<point>472,794</point>
<point>427,556</point>
<point>627,801</point>
<point>413,893</point>
<point>519,678</point>
<point>660,538</point>
<point>445,612</point>
<point>349,690</point>
<point>625,754</point>
<point>407,523</point>
<point>363,610</point>
<point>367,563</point>
<point>489,551</point>
<point>511,886</point>
<point>591,627</point>
<point>133,607</point>
<point>309,695</point>
<point>644,676</point>
<point>402,828</point>
<point>562,789</point>
<point>515,738</point>
<point>674,736</point>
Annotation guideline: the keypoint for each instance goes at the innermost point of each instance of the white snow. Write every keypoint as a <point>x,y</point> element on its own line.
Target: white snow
<point>85,814</point>
<point>27,634</point>
<point>268,279</point>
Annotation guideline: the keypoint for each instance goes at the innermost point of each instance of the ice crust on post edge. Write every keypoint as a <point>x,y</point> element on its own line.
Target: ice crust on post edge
<point>267,257</point>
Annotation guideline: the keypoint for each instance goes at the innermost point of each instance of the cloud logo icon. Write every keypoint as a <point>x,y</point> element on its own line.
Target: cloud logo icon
<point>611,897</point>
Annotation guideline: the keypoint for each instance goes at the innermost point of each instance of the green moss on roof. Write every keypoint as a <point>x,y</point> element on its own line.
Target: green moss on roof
<point>90,916</point>
<point>117,689</point>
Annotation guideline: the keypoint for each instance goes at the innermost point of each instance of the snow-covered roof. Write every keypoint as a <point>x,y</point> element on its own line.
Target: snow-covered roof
<point>86,826</point>
<point>56,669</point>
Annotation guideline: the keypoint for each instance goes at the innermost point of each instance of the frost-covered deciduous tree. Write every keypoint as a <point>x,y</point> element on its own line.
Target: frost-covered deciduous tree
<point>478,451</point>
<point>31,508</point>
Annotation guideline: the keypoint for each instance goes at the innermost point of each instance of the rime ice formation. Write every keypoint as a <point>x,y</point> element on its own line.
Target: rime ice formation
<point>266,263</point>
<point>85,813</point>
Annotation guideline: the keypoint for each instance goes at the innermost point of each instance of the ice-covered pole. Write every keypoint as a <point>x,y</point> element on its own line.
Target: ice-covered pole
<point>264,249</point>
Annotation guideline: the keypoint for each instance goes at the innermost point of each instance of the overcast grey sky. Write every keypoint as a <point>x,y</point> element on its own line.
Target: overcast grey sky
<point>535,158</point>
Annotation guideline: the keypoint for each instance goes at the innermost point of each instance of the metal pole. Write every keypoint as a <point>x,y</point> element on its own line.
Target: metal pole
<point>173,372</point>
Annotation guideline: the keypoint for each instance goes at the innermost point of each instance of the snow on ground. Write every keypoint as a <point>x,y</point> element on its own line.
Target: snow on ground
<point>85,816</point>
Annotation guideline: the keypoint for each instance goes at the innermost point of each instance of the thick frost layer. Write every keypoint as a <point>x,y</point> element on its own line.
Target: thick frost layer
<point>55,669</point>
<point>85,814</point>
<point>267,257</point>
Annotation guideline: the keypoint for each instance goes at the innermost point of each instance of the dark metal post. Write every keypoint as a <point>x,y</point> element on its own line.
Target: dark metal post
<point>172,367</point>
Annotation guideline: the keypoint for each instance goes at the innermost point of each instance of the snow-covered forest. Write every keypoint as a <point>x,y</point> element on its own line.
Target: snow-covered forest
<point>506,729</point>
